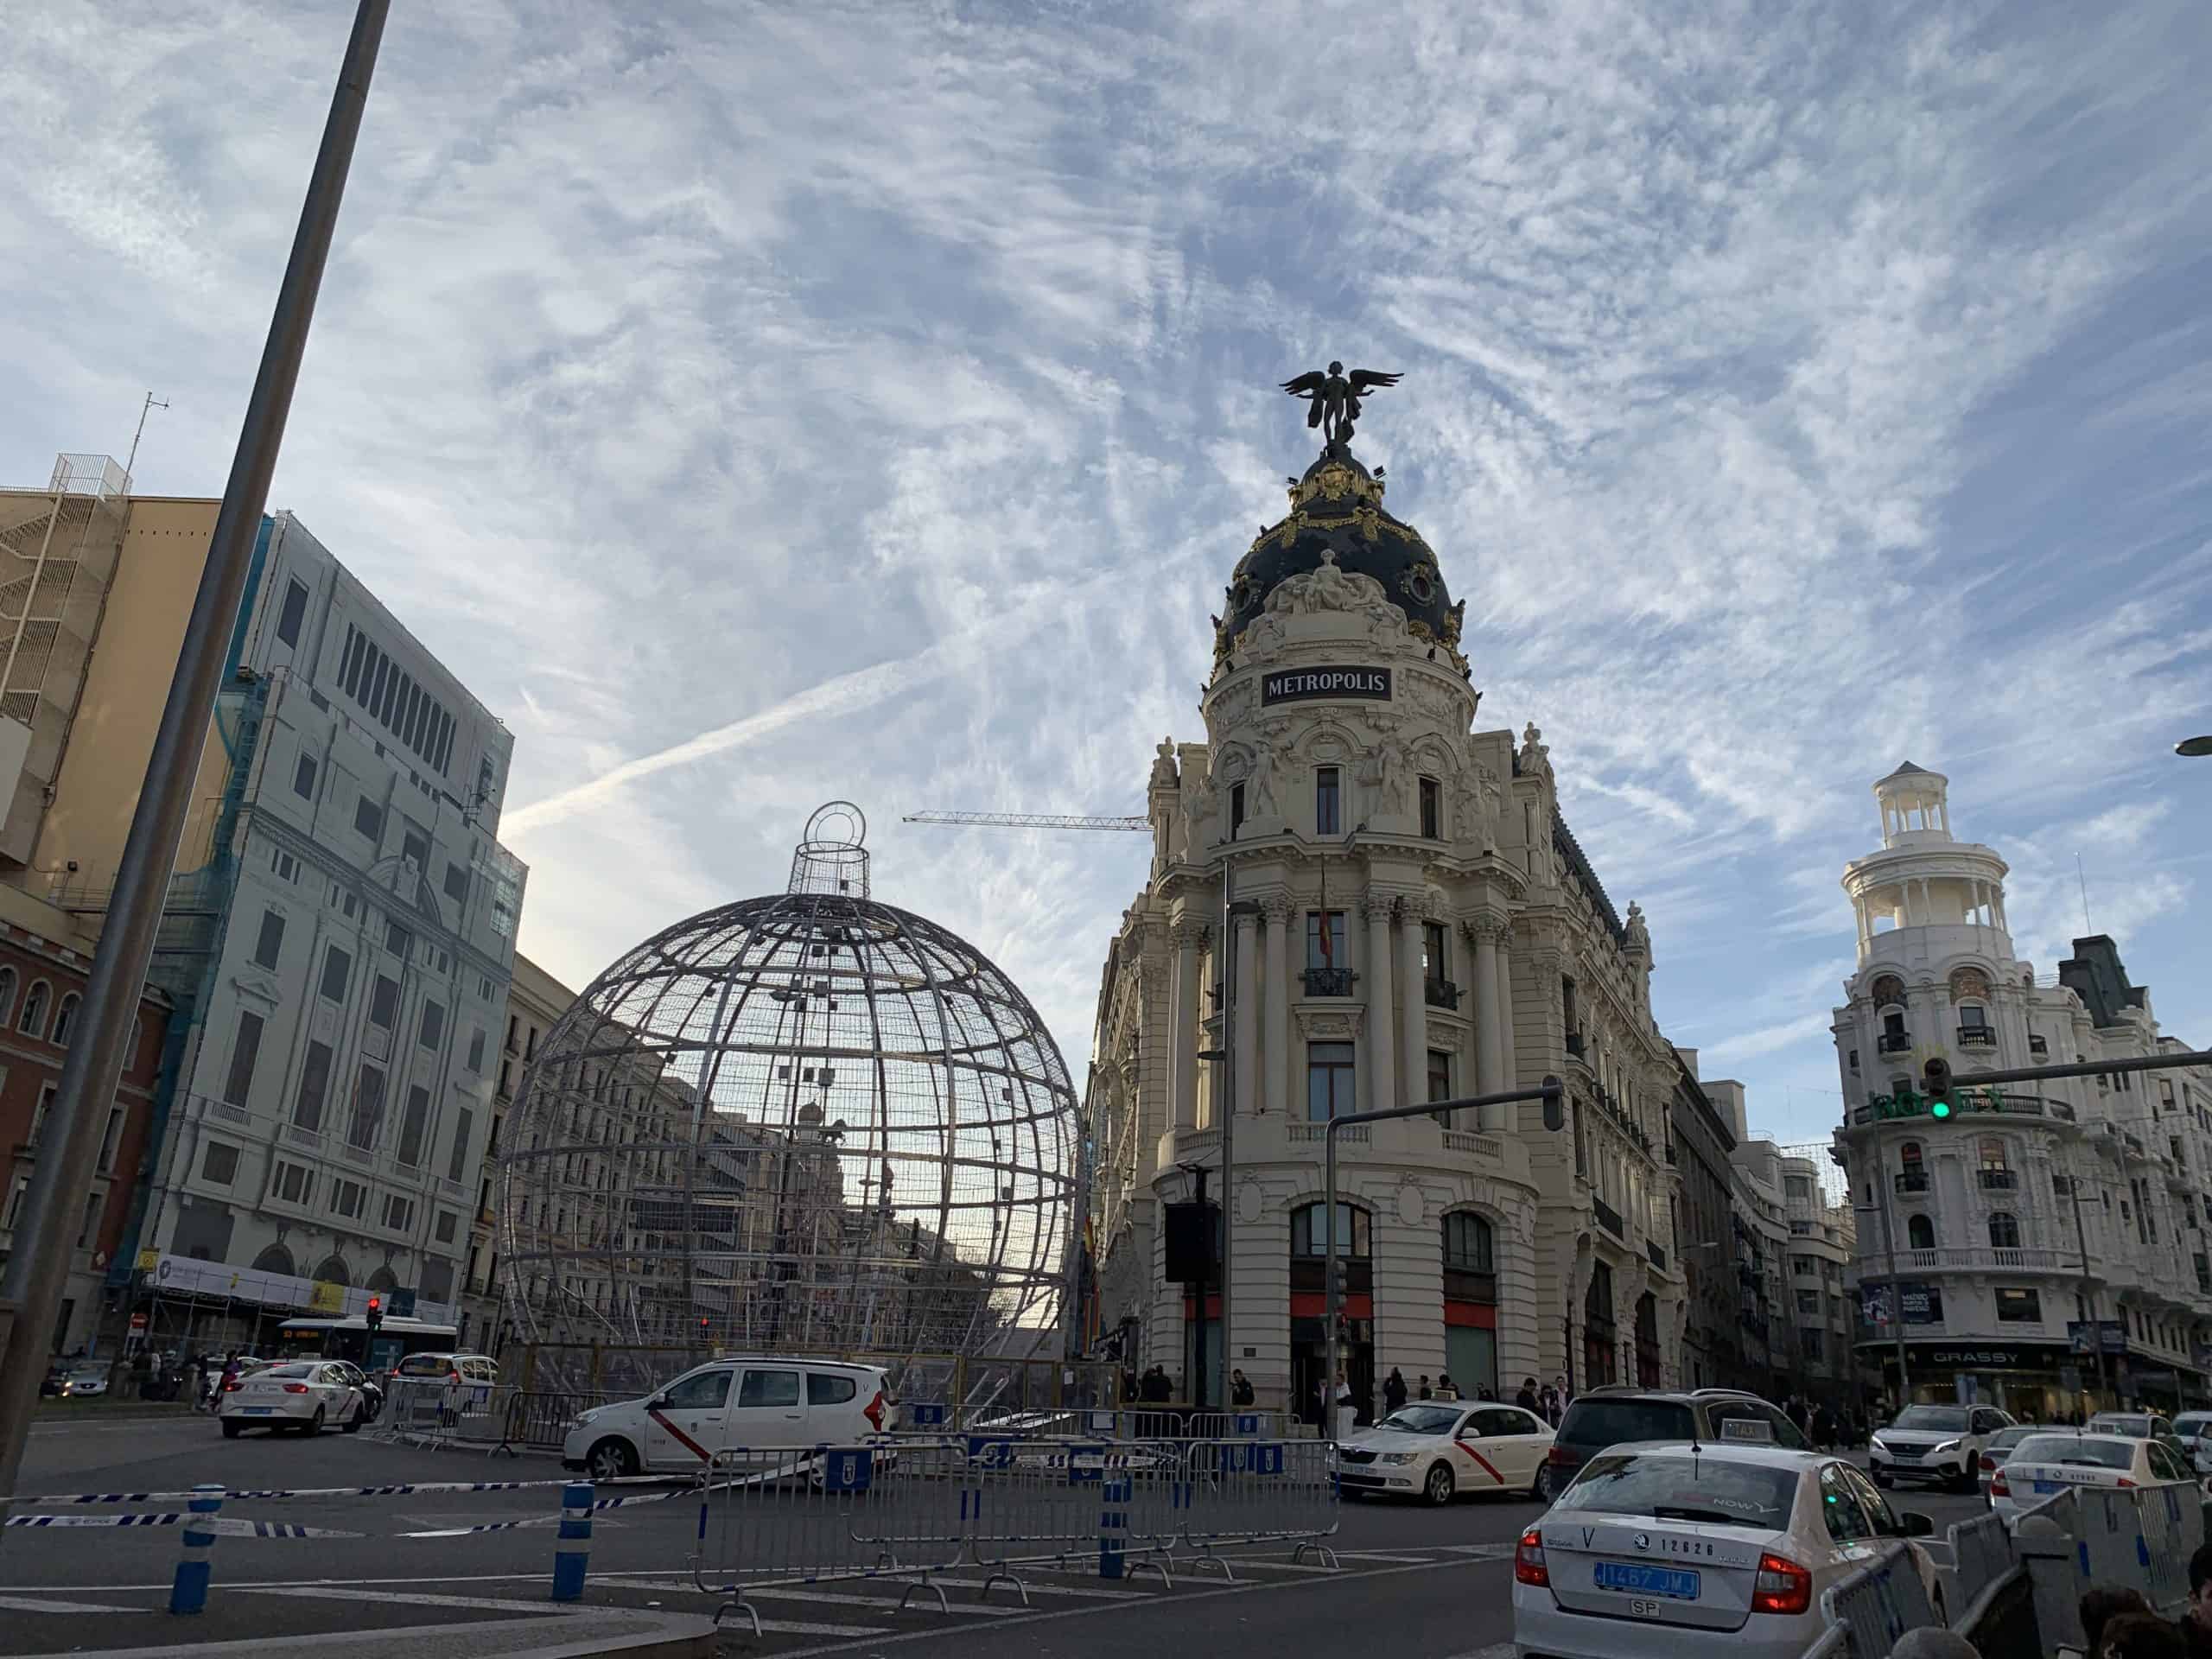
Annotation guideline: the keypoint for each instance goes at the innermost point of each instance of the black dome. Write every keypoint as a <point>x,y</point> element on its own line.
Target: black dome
<point>1337,507</point>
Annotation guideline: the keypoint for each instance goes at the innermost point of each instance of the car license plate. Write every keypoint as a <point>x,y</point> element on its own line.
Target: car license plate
<point>1671,1582</point>
<point>2048,1485</point>
<point>258,1411</point>
<point>1903,1456</point>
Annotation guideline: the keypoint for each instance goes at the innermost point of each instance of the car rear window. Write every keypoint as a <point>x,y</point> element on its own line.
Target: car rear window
<point>2108,1452</point>
<point>289,1371</point>
<point>827,1391</point>
<point>1685,1488</point>
<point>2104,1424</point>
<point>2192,1424</point>
<point>1593,1425</point>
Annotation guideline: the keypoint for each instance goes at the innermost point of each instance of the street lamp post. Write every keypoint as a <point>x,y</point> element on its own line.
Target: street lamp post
<point>30,1292</point>
<point>1881,1204</point>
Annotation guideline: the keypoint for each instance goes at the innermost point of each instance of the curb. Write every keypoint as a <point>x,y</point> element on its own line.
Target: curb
<point>619,1634</point>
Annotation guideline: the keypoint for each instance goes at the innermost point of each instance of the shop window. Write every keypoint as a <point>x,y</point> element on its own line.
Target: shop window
<point>2020,1307</point>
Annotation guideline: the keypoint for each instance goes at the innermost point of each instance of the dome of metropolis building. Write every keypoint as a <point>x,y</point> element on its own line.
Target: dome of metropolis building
<point>804,1124</point>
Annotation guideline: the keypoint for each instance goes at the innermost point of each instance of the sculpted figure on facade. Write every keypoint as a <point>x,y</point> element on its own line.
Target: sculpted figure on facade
<point>1260,787</point>
<point>1536,756</point>
<point>1639,933</point>
<point>1203,804</point>
<point>1163,765</point>
<point>1383,771</point>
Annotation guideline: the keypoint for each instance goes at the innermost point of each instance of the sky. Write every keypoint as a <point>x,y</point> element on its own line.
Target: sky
<point>765,404</point>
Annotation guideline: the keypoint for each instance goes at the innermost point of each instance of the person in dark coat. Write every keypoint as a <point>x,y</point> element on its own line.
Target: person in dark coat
<point>1425,1392</point>
<point>1527,1399</point>
<point>1394,1391</point>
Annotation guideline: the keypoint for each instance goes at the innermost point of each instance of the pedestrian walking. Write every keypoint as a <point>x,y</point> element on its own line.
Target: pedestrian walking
<point>1240,1388</point>
<point>1529,1398</point>
<point>1424,1392</point>
<point>1393,1392</point>
<point>1347,1416</point>
<point>1445,1387</point>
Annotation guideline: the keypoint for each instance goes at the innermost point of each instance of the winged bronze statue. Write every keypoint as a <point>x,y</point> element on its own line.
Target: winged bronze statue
<point>1333,397</point>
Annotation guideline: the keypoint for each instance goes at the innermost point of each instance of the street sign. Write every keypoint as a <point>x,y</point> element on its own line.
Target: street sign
<point>137,1321</point>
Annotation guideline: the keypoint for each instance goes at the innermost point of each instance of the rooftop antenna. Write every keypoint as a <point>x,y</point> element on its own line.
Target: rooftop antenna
<point>151,403</point>
<point>2084,881</point>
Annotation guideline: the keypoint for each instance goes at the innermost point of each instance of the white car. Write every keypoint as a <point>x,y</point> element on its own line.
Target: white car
<point>2043,1465</point>
<point>1663,1539</point>
<point>476,1369</point>
<point>308,1395</point>
<point>2194,1430</point>
<point>85,1382</point>
<point>764,1403</point>
<point>1436,1449</point>
<point>1935,1443</point>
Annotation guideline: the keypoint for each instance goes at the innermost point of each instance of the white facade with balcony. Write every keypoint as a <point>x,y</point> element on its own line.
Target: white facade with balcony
<point>2037,1207</point>
<point>1423,928</point>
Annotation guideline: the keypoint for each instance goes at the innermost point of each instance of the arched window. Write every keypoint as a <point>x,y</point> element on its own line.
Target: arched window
<point>7,991</point>
<point>1889,992</point>
<point>1920,1233</point>
<point>1468,1243</point>
<point>65,1016</point>
<point>332,1270</point>
<point>275,1259</point>
<point>33,1020</point>
<point>2005,1231</point>
<point>383,1282</point>
<point>1309,1235</point>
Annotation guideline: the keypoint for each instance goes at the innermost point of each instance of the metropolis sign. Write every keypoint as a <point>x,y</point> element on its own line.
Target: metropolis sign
<point>1298,684</point>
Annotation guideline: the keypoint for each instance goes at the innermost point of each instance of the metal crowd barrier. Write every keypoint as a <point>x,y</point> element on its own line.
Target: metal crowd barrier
<point>1982,1556</point>
<point>1879,1603</point>
<point>2142,1536</point>
<point>911,1508</point>
<point>1109,1423</point>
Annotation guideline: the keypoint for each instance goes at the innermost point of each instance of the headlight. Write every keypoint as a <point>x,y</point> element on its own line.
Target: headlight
<point>583,1417</point>
<point>1878,1444</point>
<point>1947,1446</point>
<point>1397,1457</point>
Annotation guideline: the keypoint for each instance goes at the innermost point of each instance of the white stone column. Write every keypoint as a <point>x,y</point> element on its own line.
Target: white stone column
<point>1507,1064</point>
<point>1488,1040</point>
<point>1248,1011</point>
<point>1382,1026</point>
<point>1183,1038</point>
<point>1276,1064</point>
<point>1412,1005</point>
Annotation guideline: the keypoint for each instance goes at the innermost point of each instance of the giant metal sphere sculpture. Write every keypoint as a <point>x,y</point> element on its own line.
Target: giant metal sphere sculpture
<point>806,1123</point>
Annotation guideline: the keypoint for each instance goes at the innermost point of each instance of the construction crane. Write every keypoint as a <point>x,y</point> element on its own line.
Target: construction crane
<point>1030,821</point>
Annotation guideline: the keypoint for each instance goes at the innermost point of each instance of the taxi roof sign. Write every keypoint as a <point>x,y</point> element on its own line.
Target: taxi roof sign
<point>1751,1430</point>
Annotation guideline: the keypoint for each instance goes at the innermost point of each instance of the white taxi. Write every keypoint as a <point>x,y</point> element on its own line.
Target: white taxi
<point>1675,1538</point>
<point>309,1394</point>
<point>1436,1449</point>
<point>2043,1465</point>
<point>764,1403</point>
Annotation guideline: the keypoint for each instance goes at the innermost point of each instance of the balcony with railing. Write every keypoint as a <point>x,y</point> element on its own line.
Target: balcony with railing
<point>1912,1180</point>
<point>1440,994</point>
<point>1574,1044</point>
<point>1894,1042</point>
<point>1985,1257</point>
<point>1977,1036</point>
<point>1328,982</point>
<point>1658,1256</point>
<point>1608,1217</point>
<point>2039,1046</point>
<point>1997,1180</point>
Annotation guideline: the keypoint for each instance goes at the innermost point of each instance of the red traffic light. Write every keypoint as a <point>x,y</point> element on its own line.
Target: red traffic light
<point>375,1303</point>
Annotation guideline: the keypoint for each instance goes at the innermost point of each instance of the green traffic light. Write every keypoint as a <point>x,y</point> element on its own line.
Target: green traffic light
<point>1941,1109</point>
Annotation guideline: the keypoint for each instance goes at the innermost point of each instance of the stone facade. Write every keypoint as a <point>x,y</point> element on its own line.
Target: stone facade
<point>1414,922</point>
<point>2051,1202</point>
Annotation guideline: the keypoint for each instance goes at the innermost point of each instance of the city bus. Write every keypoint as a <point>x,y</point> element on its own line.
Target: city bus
<point>349,1339</point>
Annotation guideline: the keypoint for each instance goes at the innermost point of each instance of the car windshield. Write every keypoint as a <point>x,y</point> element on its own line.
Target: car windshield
<point>1596,1424</point>
<point>1421,1420</point>
<point>289,1371</point>
<point>1949,1419</point>
<point>2079,1450</point>
<point>2114,1422</point>
<point>1670,1486</point>
<point>2191,1425</point>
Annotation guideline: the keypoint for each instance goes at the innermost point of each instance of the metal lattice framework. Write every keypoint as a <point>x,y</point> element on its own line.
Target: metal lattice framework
<point>815,1122</point>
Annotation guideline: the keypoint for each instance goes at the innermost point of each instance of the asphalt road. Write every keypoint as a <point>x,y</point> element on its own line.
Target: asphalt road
<point>1437,1582</point>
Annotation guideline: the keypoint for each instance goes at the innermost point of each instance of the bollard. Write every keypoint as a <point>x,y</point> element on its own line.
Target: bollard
<point>572,1554</point>
<point>1116,1493</point>
<point>188,1594</point>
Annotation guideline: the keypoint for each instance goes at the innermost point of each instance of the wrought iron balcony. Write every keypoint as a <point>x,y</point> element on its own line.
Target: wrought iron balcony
<point>1328,982</point>
<point>1608,1217</point>
<point>1440,994</point>
<point>1658,1255</point>
<point>1998,1180</point>
<point>1913,1181</point>
<point>2038,1045</point>
<point>1574,1044</point>
<point>1894,1042</point>
<point>1977,1036</point>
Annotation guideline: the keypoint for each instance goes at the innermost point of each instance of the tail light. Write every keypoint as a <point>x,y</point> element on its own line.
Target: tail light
<point>2125,1481</point>
<point>1988,1463</point>
<point>1558,1457</point>
<point>873,1411</point>
<point>1529,1560</point>
<point>1998,1488</point>
<point>295,1388</point>
<point>1781,1587</point>
<point>230,1387</point>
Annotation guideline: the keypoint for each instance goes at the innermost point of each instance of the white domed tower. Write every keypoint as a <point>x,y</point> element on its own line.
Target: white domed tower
<point>1411,922</point>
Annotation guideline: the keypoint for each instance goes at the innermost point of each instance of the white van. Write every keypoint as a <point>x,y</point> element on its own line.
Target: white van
<point>766,1401</point>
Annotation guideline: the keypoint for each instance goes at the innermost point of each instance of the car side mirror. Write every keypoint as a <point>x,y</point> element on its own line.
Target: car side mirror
<point>1913,1524</point>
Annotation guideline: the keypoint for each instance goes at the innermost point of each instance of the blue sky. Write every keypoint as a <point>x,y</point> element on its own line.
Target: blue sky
<point>760,404</point>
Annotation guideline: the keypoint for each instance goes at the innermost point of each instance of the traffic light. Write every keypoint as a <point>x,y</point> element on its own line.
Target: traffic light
<point>375,1315</point>
<point>1343,1277</point>
<point>1936,1083</point>
<point>702,1327</point>
<point>1555,1106</point>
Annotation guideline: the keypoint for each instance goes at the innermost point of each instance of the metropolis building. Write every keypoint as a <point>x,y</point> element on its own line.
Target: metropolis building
<point>1988,1242</point>
<point>1413,922</point>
